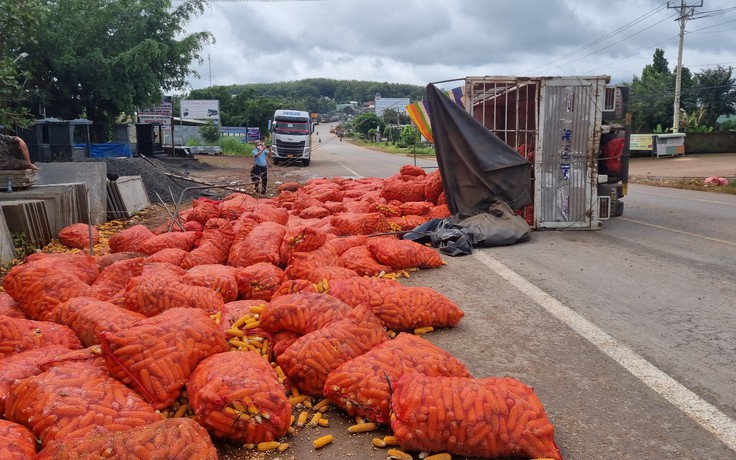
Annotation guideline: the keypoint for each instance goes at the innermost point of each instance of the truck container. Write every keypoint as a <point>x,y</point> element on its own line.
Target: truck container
<point>574,131</point>
<point>291,137</point>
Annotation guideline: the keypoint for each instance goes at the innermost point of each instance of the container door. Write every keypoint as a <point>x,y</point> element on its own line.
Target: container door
<point>566,159</point>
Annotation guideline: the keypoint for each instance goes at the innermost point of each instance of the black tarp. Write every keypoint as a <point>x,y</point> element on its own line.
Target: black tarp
<point>477,168</point>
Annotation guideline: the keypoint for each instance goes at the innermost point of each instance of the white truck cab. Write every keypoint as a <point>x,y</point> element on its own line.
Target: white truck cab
<point>291,137</point>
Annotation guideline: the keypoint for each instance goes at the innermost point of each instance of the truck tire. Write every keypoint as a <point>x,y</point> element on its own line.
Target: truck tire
<point>618,210</point>
<point>306,162</point>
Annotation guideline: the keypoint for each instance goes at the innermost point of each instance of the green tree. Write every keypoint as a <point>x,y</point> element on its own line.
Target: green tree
<point>366,122</point>
<point>653,94</point>
<point>716,93</point>
<point>409,135</point>
<point>102,58</point>
<point>210,132</point>
<point>18,23</point>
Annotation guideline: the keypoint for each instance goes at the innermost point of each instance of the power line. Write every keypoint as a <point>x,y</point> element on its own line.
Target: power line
<point>600,40</point>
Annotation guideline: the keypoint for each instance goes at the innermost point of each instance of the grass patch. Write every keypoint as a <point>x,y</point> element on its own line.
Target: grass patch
<point>393,148</point>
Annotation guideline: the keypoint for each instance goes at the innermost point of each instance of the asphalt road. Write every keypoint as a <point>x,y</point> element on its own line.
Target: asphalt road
<point>627,334</point>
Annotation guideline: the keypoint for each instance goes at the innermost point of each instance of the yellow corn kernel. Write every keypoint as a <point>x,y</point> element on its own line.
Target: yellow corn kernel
<point>255,309</point>
<point>217,317</point>
<point>423,330</point>
<point>237,343</point>
<point>391,440</point>
<point>249,446</point>
<point>442,456</point>
<point>323,441</point>
<point>252,325</point>
<point>291,421</point>
<point>234,332</point>
<point>396,454</point>
<point>308,403</point>
<point>240,321</point>
<point>268,445</point>
<point>294,400</point>
<point>280,372</point>
<point>231,410</point>
<point>283,446</point>
<point>324,404</point>
<point>181,411</point>
<point>323,422</point>
<point>303,416</point>
<point>362,427</point>
<point>359,420</point>
<point>315,419</point>
<point>378,442</point>
<point>295,391</point>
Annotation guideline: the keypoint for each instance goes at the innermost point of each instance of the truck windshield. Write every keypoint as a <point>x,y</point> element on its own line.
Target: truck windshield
<point>291,127</point>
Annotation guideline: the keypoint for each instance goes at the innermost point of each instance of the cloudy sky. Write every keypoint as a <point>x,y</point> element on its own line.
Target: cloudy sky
<point>423,41</point>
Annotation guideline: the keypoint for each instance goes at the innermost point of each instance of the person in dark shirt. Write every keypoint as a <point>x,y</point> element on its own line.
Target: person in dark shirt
<point>14,154</point>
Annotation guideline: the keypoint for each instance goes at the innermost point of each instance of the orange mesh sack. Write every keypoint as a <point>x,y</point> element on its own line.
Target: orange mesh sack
<point>203,210</point>
<point>113,278</point>
<point>433,186</point>
<point>360,259</point>
<point>300,239</point>
<point>411,170</point>
<point>18,335</point>
<point>153,294</point>
<point>486,418</point>
<point>78,236</point>
<point>398,307</point>
<point>129,239</point>
<point>283,340</point>
<point>43,282</point>
<point>181,240</point>
<point>236,204</point>
<point>214,246</point>
<point>88,317</point>
<point>219,278</point>
<point>73,400</point>
<point>294,286</point>
<point>309,360</point>
<point>258,281</point>
<point>24,364</point>
<point>352,223</point>
<point>170,439</point>
<point>262,244</point>
<point>173,256</point>
<point>234,312</point>
<point>303,313</point>
<point>342,244</point>
<point>237,396</point>
<point>9,307</point>
<point>303,264</point>
<point>359,386</point>
<point>16,441</point>
<point>397,189</point>
<point>157,355</point>
<point>403,254</point>
<point>408,222</point>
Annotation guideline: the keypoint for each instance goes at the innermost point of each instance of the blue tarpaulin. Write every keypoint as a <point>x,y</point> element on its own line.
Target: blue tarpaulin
<point>108,150</point>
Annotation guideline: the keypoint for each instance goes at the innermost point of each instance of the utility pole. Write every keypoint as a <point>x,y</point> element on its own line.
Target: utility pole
<point>686,11</point>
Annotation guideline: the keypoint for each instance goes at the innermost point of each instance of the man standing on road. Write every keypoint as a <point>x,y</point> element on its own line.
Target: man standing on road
<point>259,173</point>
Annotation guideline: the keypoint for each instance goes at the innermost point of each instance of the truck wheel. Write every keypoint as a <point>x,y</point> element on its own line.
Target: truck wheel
<point>305,162</point>
<point>618,210</point>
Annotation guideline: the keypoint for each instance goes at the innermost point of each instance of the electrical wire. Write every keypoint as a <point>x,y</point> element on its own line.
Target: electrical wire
<point>599,40</point>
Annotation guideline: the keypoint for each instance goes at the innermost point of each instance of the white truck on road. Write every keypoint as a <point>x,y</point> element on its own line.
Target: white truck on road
<point>291,137</point>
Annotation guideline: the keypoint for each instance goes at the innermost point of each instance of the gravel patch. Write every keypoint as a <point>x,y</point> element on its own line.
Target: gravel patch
<point>167,178</point>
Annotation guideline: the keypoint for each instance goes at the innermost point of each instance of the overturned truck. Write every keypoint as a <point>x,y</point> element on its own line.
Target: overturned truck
<point>573,132</point>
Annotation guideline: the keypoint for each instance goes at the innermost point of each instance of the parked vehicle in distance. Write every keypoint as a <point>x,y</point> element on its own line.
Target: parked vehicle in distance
<point>291,137</point>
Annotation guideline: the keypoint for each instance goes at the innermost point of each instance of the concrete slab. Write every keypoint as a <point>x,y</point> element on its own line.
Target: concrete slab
<point>28,217</point>
<point>91,173</point>
<point>133,194</point>
<point>60,202</point>
<point>7,250</point>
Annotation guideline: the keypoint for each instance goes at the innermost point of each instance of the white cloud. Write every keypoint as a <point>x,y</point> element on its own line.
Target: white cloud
<point>422,41</point>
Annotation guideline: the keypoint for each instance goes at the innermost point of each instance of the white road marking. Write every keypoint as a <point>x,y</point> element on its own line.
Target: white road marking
<point>354,173</point>
<point>704,413</point>
<point>679,197</point>
<point>681,232</point>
